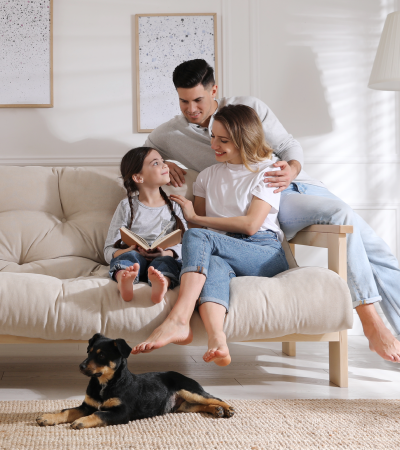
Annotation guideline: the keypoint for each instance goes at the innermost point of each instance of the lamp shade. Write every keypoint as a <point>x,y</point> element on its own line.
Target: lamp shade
<point>385,74</point>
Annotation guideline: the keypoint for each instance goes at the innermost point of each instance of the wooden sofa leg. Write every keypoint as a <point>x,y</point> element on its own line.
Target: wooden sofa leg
<point>338,361</point>
<point>289,348</point>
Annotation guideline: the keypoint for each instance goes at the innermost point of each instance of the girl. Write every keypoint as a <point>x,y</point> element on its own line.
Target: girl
<point>242,238</point>
<point>147,214</point>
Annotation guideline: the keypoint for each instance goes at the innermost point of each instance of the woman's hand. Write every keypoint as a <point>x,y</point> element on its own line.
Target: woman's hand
<point>129,249</point>
<point>186,205</point>
<point>156,253</point>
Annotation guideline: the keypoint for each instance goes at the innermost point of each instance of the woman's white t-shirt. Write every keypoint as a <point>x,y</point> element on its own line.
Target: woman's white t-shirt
<point>229,189</point>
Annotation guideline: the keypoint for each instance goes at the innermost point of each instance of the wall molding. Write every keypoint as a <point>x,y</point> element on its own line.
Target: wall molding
<point>353,160</point>
<point>58,161</point>
<point>106,160</point>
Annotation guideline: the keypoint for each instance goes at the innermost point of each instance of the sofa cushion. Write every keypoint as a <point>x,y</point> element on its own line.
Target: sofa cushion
<point>309,300</point>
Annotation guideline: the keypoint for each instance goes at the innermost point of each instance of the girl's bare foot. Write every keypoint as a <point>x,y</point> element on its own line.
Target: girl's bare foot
<point>170,331</point>
<point>218,350</point>
<point>159,284</point>
<point>125,280</point>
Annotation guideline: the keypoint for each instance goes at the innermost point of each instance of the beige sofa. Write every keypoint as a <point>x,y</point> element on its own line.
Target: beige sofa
<point>54,283</point>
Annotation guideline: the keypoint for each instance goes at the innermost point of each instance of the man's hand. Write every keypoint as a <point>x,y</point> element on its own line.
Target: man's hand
<point>176,174</point>
<point>186,205</point>
<point>282,178</point>
<point>157,252</point>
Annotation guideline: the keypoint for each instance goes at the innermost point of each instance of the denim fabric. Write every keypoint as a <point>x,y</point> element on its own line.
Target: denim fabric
<point>167,265</point>
<point>372,271</point>
<point>221,257</point>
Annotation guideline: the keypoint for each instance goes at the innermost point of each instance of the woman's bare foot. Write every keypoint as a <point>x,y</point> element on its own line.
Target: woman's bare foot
<point>159,284</point>
<point>170,331</point>
<point>218,350</point>
<point>125,279</point>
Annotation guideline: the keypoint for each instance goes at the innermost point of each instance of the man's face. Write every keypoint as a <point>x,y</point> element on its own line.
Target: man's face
<point>197,104</point>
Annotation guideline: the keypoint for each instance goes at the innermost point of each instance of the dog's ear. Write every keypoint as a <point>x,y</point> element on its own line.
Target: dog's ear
<point>93,339</point>
<point>123,347</point>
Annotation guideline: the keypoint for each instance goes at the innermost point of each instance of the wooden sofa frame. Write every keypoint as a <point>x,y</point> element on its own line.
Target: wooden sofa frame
<point>332,237</point>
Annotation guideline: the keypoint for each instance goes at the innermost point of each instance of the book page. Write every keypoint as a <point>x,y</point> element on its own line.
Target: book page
<point>169,240</point>
<point>162,233</point>
<point>131,238</point>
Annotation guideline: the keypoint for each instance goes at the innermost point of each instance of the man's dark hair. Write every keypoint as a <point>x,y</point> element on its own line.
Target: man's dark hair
<point>191,73</point>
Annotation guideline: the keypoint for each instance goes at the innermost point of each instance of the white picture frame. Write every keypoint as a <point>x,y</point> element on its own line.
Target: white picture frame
<point>163,41</point>
<point>26,54</point>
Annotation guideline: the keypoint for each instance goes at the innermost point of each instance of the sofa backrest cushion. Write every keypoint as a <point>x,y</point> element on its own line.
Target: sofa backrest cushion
<point>54,221</point>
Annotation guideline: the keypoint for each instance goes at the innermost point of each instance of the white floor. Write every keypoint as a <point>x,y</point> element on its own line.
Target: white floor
<point>257,371</point>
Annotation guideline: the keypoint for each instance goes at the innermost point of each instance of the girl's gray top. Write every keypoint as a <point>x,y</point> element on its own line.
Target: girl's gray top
<point>190,144</point>
<point>147,222</point>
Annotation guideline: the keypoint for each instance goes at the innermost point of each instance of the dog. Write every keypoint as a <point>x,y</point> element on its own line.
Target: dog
<point>116,396</point>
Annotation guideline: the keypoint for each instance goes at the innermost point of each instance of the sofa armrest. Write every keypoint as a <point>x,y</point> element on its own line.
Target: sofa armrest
<point>332,237</point>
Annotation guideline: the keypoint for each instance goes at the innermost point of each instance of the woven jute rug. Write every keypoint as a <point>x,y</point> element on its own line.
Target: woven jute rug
<point>259,424</point>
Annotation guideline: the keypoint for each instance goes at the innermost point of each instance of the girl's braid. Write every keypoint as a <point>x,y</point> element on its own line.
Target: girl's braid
<point>178,222</point>
<point>130,194</point>
<point>129,191</point>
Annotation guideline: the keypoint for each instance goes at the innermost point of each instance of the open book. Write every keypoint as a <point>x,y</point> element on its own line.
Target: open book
<point>163,240</point>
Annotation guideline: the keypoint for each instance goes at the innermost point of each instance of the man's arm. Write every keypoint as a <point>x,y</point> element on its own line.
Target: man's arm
<point>285,147</point>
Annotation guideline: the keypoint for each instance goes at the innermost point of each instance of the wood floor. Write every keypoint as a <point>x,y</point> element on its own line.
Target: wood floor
<point>257,371</point>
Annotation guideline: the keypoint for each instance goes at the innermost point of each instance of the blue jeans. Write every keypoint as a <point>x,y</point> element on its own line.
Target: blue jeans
<point>167,265</point>
<point>372,270</point>
<point>221,257</point>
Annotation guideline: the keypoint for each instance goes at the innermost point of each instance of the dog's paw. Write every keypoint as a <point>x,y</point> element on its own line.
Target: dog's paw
<point>77,425</point>
<point>46,420</point>
<point>229,412</point>
<point>218,411</point>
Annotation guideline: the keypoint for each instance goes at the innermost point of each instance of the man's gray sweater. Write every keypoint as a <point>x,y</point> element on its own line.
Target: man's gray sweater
<point>190,144</point>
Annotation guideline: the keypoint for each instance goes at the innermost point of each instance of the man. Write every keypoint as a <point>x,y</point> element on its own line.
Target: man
<point>373,272</point>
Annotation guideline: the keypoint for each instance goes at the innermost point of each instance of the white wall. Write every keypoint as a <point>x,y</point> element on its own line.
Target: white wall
<point>309,60</point>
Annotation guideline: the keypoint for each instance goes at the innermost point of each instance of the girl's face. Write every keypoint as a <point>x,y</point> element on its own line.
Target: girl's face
<point>154,173</point>
<point>224,148</point>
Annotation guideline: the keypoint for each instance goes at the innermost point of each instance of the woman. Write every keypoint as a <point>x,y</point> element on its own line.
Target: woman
<point>242,238</point>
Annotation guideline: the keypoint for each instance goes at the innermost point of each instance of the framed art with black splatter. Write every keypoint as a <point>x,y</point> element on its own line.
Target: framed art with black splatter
<point>163,41</point>
<point>26,53</point>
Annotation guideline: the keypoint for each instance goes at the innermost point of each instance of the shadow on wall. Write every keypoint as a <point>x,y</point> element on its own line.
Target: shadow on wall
<point>297,85</point>
<point>36,140</point>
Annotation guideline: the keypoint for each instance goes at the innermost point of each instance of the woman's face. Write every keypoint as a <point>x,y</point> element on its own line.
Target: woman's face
<point>154,172</point>
<point>224,148</point>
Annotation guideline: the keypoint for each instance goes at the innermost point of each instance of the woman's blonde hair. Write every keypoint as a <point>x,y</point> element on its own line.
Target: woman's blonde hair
<point>246,132</point>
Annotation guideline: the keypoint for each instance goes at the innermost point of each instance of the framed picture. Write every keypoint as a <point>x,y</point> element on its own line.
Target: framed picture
<point>163,41</point>
<point>26,54</point>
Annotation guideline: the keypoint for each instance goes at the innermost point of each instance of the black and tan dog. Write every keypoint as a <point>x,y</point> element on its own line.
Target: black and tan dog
<point>115,396</point>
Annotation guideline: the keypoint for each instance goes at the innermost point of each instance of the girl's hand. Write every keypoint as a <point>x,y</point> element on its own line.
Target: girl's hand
<point>129,249</point>
<point>157,252</point>
<point>186,205</point>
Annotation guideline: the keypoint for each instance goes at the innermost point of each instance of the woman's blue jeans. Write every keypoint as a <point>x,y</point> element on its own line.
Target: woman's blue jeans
<point>167,265</point>
<point>221,257</point>
<point>372,270</point>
